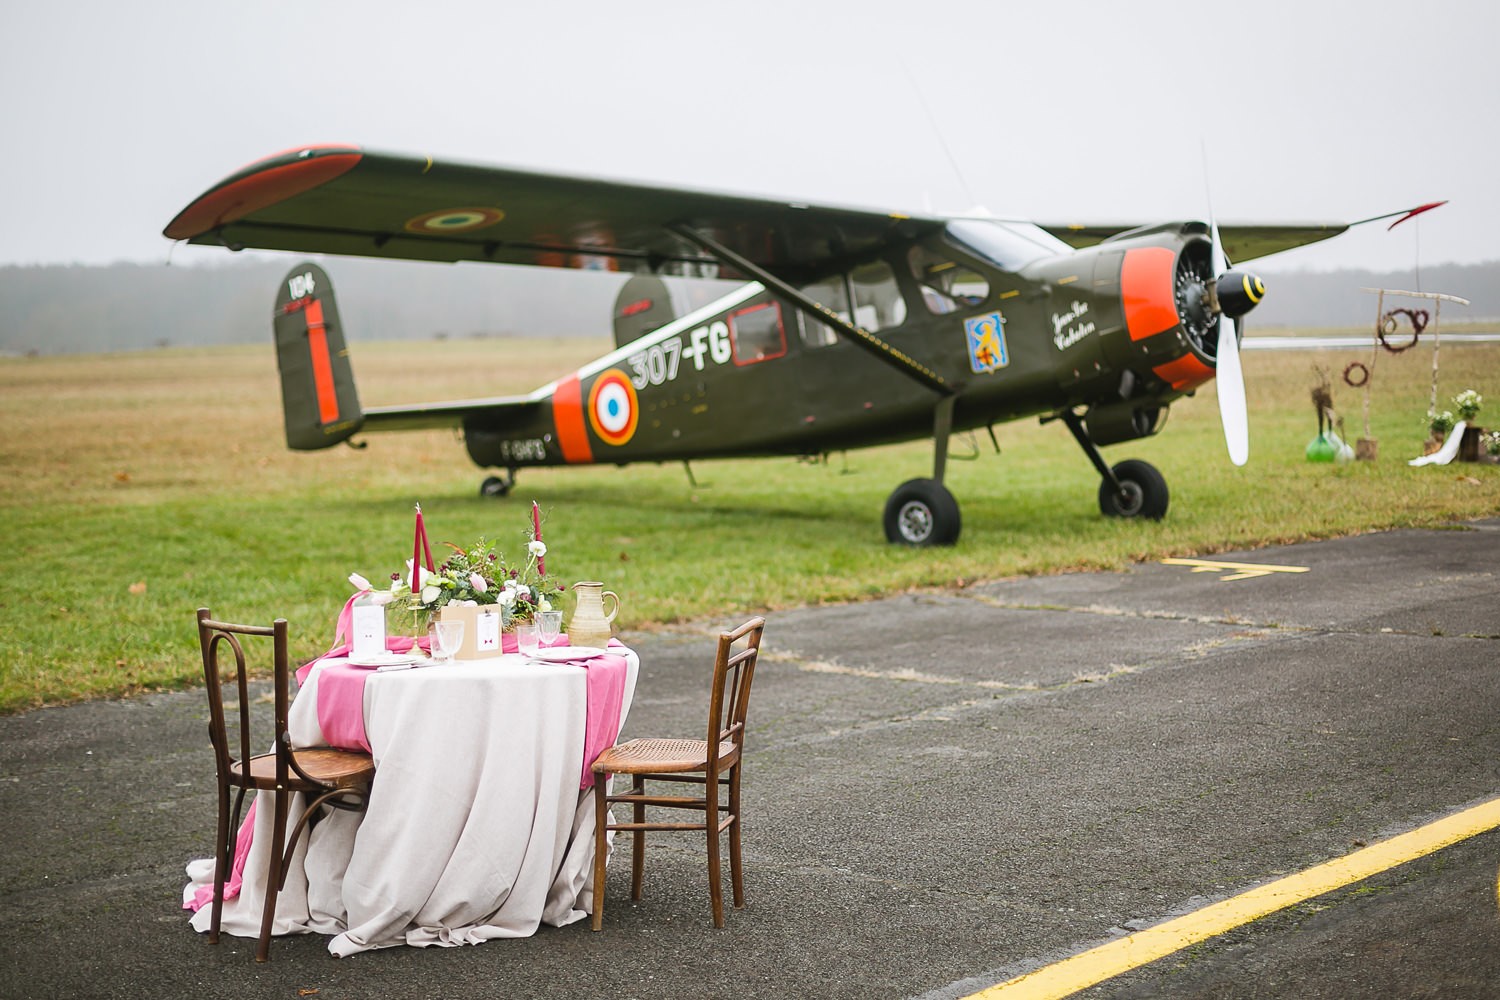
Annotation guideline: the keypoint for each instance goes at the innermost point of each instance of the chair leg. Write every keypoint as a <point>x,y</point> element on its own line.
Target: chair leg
<point>274,875</point>
<point>222,860</point>
<point>601,845</point>
<point>715,889</point>
<point>638,844</point>
<point>736,866</point>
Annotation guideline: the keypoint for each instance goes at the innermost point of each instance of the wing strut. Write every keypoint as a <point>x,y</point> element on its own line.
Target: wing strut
<point>897,359</point>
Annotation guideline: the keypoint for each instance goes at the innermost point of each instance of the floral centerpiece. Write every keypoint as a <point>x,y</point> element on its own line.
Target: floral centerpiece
<point>476,575</point>
<point>1440,422</point>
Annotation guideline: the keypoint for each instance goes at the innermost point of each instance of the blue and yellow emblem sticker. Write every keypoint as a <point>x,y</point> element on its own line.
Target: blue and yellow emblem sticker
<point>986,335</point>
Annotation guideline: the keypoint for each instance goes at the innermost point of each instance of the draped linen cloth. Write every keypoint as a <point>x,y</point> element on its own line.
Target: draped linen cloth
<point>476,826</point>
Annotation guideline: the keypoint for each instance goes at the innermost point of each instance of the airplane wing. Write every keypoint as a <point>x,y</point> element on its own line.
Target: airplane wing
<point>1241,242</point>
<point>346,200</point>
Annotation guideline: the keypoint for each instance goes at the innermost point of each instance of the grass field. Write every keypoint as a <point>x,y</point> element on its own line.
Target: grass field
<point>138,487</point>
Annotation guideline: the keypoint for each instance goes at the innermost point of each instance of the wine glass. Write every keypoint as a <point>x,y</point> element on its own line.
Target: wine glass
<point>550,623</point>
<point>446,638</point>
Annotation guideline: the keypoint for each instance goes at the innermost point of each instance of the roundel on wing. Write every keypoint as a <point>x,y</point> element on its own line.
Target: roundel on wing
<point>613,410</point>
<point>455,220</point>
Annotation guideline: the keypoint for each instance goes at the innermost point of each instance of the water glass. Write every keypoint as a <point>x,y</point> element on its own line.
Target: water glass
<point>528,638</point>
<point>443,639</point>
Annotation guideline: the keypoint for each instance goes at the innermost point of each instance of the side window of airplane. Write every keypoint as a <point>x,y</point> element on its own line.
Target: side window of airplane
<point>832,293</point>
<point>947,284</point>
<point>877,302</point>
<point>757,333</point>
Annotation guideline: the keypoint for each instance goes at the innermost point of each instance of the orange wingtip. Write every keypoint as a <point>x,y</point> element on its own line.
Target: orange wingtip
<point>262,184</point>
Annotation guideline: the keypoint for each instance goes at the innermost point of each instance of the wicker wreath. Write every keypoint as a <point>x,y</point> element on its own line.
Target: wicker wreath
<point>1349,374</point>
<point>1389,325</point>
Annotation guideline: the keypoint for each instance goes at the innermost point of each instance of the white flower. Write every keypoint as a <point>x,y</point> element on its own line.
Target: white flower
<point>544,605</point>
<point>430,593</point>
<point>508,597</point>
<point>479,583</point>
<point>381,597</point>
<point>510,586</point>
<point>537,548</point>
<point>359,582</point>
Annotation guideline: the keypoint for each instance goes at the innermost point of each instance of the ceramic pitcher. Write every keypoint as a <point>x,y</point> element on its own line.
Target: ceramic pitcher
<point>590,626</point>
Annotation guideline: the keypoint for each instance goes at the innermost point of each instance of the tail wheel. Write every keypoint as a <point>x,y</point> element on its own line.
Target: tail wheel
<point>1143,492</point>
<point>494,486</point>
<point>921,512</point>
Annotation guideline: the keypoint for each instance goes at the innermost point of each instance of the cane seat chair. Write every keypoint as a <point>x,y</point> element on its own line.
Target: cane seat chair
<point>339,778</point>
<point>710,764</point>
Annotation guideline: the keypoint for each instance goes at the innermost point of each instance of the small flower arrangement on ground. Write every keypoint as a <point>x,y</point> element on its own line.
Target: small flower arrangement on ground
<point>1440,422</point>
<point>1492,444</point>
<point>1467,404</point>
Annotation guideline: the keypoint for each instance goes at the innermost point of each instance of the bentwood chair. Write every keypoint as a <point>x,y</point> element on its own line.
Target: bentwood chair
<point>709,763</point>
<point>340,778</point>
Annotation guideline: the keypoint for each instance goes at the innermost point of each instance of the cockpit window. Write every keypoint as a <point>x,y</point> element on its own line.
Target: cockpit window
<point>1012,245</point>
<point>947,284</point>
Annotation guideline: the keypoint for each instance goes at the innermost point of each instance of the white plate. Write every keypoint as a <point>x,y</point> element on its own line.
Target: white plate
<point>383,660</point>
<point>566,654</point>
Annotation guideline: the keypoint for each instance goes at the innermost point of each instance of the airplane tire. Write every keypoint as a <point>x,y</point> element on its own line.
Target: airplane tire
<point>1145,493</point>
<point>921,512</point>
<point>494,486</point>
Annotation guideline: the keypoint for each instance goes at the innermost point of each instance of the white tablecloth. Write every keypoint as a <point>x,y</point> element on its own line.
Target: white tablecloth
<point>476,827</point>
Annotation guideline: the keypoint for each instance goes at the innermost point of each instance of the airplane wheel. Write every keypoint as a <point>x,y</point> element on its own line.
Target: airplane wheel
<point>1145,492</point>
<point>494,486</point>
<point>922,512</point>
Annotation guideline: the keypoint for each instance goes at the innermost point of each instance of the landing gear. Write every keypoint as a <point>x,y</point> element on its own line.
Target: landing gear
<point>921,512</point>
<point>1131,489</point>
<point>496,486</point>
<point>1142,491</point>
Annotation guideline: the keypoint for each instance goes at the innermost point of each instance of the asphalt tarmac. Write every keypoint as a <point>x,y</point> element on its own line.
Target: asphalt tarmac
<point>943,792</point>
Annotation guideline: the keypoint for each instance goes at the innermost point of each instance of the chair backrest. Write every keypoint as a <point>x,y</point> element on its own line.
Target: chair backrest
<point>224,662</point>
<point>730,699</point>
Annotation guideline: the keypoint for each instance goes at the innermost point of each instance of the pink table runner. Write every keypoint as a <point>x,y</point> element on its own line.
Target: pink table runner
<point>341,699</point>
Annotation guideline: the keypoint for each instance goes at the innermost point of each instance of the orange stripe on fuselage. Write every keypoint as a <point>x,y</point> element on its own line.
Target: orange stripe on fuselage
<point>567,417</point>
<point>1146,291</point>
<point>1186,373</point>
<point>322,364</point>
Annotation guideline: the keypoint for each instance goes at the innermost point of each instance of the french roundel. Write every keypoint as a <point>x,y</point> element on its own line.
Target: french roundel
<point>455,220</point>
<point>613,411</point>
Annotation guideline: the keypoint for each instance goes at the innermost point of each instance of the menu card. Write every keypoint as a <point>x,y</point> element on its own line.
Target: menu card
<point>487,633</point>
<point>368,628</point>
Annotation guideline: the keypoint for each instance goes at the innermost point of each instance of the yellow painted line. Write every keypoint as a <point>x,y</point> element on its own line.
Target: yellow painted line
<point>1094,966</point>
<point>1237,571</point>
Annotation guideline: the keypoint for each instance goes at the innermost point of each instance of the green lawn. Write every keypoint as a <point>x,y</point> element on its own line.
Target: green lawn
<point>139,487</point>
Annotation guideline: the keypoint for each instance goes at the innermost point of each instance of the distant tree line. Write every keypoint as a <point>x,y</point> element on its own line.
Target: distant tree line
<point>87,309</point>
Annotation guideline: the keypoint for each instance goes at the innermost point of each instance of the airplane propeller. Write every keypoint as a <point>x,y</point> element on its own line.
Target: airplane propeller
<point>1236,293</point>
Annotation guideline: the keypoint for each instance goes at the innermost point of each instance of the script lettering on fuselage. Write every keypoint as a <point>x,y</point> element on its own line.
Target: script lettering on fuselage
<point>1068,328</point>
<point>660,363</point>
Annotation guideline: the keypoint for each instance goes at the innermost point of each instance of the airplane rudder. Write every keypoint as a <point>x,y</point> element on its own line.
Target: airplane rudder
<point>319,402</point>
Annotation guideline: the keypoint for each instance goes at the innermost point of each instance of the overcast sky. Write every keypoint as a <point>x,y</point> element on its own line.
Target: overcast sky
<point>116,115</point>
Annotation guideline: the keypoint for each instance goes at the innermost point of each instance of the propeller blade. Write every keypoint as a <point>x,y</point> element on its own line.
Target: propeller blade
<point>1231,382</point>
<point>1233,413</point>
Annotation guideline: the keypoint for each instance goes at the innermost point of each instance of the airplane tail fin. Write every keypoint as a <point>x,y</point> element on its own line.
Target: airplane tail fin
<point>318,400</point>
<point>643,304</point>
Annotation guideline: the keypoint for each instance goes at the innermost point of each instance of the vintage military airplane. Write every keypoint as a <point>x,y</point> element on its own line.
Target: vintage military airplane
<point>853,327</point>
